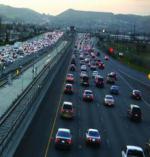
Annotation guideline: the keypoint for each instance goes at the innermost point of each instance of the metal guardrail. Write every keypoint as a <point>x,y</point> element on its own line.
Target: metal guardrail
<point>12,119</point>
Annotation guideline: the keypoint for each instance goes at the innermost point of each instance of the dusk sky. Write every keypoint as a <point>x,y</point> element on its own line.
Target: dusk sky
<point>54,7</point>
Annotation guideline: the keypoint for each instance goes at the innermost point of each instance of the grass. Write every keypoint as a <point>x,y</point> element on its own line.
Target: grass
<point>135,56</point>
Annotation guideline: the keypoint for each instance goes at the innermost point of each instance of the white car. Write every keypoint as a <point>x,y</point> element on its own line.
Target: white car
<point>109,100</point>
<point>132,151</point>
<point>95,73</point>
<point>83,68</point>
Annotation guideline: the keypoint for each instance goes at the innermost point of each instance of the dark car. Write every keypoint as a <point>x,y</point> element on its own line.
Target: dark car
<point>63,138</point>
<point>93,67</point>
<point>114,89</point>
<point>136,94</point>
<point>84,80</point>
<point>72,67</point>
<point>101,65</point>
<point>99,81</point>
<point>88,95</point>
<point>134,112</point>
<point>110,78</point>
<point>68,89</point>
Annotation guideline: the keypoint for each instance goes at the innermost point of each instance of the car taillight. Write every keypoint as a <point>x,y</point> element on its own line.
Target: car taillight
<point>69,141</point>
<point>89,138</point>
<point>57,140</point>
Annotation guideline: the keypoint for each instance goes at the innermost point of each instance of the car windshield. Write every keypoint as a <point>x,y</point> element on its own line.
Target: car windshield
<point>135,153</point>
<point>63,134</point>
<point>109,97</point>
<point>85,78</point>
<point>88,92</point>
<point>136,111</point>
<point>93,133</point>
<point>67,107</point>
<point>68,86</point>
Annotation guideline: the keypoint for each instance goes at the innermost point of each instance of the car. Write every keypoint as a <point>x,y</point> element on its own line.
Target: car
<point>72,67</point>
<point>84,80</point>
<point>134,112</point>
<point>68,89</point>
<point>63,138</point>
<point>94,74</point>
<point>73,61</point>
<point>88,95</point>
<point>106,58</point>
<point>109,100</point>
<point>114,89</point>
<point>93,137</point>
<point>101,65</point>
<point>67,110</point>
<point>136,94</point>
<point>83,68</point>
<point>110,78</point>
<point>83,73</point>
<point>93,66</point>
<point>132,151</point>
<point>81,57</point>
<point>114,74</point>
<point>99,81</point>
<point>82,62</point>
<point>70,78</point>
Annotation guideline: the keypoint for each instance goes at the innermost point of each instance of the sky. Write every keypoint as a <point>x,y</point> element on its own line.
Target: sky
<point>54,7</point>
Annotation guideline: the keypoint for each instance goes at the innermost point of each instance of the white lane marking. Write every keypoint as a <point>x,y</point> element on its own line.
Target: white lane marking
<point>133,78</point>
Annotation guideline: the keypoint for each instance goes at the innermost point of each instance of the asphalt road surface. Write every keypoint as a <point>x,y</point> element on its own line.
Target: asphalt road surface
<point>115,128</point>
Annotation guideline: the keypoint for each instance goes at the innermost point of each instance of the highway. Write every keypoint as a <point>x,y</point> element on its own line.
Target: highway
<point>115,128</point>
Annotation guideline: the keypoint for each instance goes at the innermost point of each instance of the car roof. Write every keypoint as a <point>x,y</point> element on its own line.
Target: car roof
<point>68,84</point>
<point>134,106</point>
<point>70,74</point>
<point>108,96</point>
<point>134,148</point>
<point>93,130</point>
<point>136,90</point>
<point>114,86</point>
<point>67,103</point>
<point>64,130</point>
<point>87,90</point>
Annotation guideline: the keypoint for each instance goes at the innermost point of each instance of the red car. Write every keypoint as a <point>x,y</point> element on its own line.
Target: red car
<point>70,78</point>
<point>101,65</point>
<point>88,95</point>
<point>68,89</point>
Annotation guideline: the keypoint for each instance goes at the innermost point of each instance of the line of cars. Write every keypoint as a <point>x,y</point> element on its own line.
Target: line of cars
<point>88,60</point>
<point>11,53</point>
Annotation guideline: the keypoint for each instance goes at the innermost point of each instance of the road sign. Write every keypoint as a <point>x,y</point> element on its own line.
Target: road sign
<point>149,76</point>
<point>17,72</point>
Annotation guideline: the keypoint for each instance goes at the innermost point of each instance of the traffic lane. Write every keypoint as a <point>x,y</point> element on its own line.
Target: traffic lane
<point>135,74</point>
<point>85,117</point>
<point>138,132</point>
<point>132,83</point>
<point>36,138</point>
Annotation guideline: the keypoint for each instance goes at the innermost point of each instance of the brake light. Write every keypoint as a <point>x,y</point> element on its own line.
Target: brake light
<point>69,141</point>
<point>57,140</point>
<point>90,139</point>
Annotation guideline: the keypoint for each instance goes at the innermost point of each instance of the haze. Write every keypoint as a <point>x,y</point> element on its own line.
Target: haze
<point>54,7</point>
